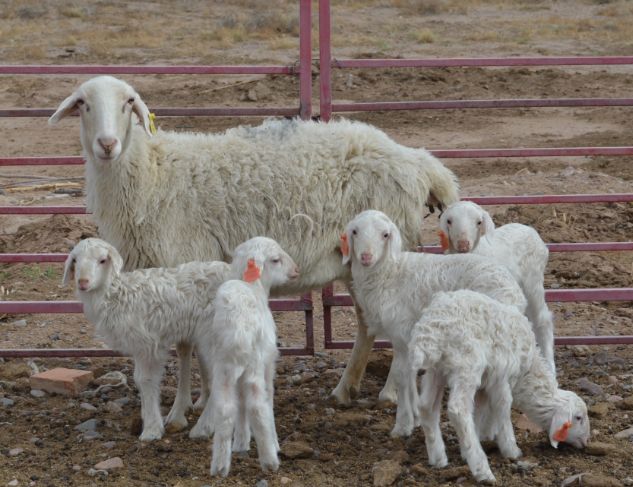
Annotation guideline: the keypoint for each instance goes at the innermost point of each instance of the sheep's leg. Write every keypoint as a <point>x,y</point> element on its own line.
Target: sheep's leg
<point>242,433</point>
<point>502,411</point>
<point>485,420</point>
<point>205,379</point>
<point>147,375</point>
<point>225,408</point>
<point>405,379</point>
<point>271,369</point>
<point>349,385</point>
<point>542,323</point>
<point>430,408</point>
<point>460,414</point>
<point>204,427</point>
<point>262,419</point>
<point>176,419</point>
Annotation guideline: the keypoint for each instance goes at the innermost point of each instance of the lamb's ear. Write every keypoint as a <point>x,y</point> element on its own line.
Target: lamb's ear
<point>68,106</point>
<point>253,271</point>
<point>559,428</point>
<point>69,270</point>
<point>115,259</point>
<point>142,112</point>
<point>395,242</point>
<point>346,244</point>
<point>487,225</point>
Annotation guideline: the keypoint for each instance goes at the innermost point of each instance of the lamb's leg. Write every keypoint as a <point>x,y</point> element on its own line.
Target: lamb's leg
<point>405,379</point>
<point>176,419</point>
<point>502,411</point>
<point>271,369</point>
<point>485,421</point>
<point>225,408</point>
<point>541,318</point>
<point>242,433</point>
<point>147,375</point>
<point>430,409</point>
<point>349,385</point>
<point>460,414</point>
<point>204,363</point>
<point>262,420</point>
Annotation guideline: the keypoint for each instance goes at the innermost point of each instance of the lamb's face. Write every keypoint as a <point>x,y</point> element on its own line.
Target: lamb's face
<point>371,236</point>
<point>263,258</point>
<point>464,223</point>
<point>105,105</point>
<point>571,422</point>
<point>90,265</point>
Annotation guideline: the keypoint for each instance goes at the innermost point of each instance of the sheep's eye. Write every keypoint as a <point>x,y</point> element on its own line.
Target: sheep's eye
<point>579,419</point>
<point>276,260</point>
<point>80,102</point>
<point>353,232</point>
<point>131,101</point>
<point>479,222</point>
<point>449,221</point>
<point>103,261</point>
<point>385,235</point>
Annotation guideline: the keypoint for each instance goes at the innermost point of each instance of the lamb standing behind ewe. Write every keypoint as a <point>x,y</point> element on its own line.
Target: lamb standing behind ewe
<point>469,228</point>
<point>243,349</point>
<point>471,342</point>
<point>179,197</point>
<point>392,287</point>
<point>143,313</point>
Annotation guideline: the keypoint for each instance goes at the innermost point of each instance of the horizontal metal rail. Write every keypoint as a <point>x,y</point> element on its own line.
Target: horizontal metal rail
<point>43,210</point>
<point>121,69</point>
<point>102,352</point>
<point>174,112</point>
<point>487,104</point>
<point>492,61</point>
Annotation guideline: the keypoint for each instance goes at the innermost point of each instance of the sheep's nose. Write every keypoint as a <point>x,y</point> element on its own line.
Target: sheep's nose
<point>463,246</point>
<point>107,143</point>
<point>83,284</point>
<point>294,273</point>
<point>366,258</point>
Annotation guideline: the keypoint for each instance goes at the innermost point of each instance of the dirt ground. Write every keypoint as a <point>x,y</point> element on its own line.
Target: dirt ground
<point>39,444</point>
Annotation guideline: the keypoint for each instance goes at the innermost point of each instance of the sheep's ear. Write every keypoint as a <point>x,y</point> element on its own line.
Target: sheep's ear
<point>559,428</point>
<point>69,270</point>
<point>68,106</point>
<point>346,246</point>
<point>142,112</point>
<point>115,259</point>
<point>395,242</point>
<point>487,225</point>
<point>252,272</point>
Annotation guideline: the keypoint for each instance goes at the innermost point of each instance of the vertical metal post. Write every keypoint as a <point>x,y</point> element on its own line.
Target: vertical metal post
<point>326,293</point>
<point>325,61</point>
<point>305,59</point>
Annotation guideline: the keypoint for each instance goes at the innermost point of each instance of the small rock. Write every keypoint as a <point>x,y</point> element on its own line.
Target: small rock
<point>13,483</point>
<point>77,468</point>
<point>6,402</point>
<point>110,464</point>
<point>109,444</point>
<point>347,418</point>
<point>573,480</point>
<point>15,369</point>
<point>614,399</point>
<point>251,95</point>
<point>454,473</point>
<point>36,441</point>
<point>524,466</point>
<point>284,480</point>
<point>597,480</point>
<point>329,411</point>
<point>19,323</point>
<point>613,380</point>
<point>90,425</point>
<point>622,435</point>
<point>91,435</point>
<point>589,387</point>
<point>366,403</point>
<point>386,472</point>
<point>580,350</point>
<point>297,449</point>
<point>628,481</point>
<point>37,393</point>
<point>122,401</point>
<point>626,403</point>
<point>295,379</point>
<point>113,407</point>
<point>597,448</point>
<point>262,483</point>
<point>87,406</point>
<point>599,410</point>
<point>400,456</point>
<point>15,452</point>
<point>419,470</point>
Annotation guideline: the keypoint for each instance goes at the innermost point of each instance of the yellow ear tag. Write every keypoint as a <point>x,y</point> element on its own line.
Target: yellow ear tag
<point>152,127</point>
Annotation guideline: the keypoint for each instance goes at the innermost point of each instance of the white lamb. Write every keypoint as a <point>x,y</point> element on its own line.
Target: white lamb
<point>486,353</point>
<point>392,287</point>
<point>469,228</point>
<point>242,342</point>
<point>176,197</point>
<point>143,313</point>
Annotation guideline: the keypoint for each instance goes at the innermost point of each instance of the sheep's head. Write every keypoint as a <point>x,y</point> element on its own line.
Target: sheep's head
<point>570,423</point>
<point>105,105</point>
<point>263,259</point>
<point>90,264</point>
<point>369,238</point>
<point>464,223</point>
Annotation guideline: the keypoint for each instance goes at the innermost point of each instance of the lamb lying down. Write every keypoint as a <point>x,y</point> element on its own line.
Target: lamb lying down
<point>478,346</point>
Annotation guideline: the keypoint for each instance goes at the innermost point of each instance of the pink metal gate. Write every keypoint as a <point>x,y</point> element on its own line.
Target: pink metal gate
<point>304,111</point>
<point>328,107</point>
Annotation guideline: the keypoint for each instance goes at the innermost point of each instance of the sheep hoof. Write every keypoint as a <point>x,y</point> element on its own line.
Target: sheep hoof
<point>512,453</point>
<point>438,461</point>
<point>486,478</point>
<point>341,395</point>
<point>200,432</point>
<point>387,398</point>
<point>175,426</point>
<point>220,470</point>
<point>151,434</point>
<point>271,465</point>
<point>400,431</point>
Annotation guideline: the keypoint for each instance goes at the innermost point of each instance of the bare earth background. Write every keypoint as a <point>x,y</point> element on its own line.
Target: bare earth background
<point>38,441</point>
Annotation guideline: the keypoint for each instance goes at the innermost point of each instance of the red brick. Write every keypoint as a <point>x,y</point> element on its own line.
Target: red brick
<point>68,382</point>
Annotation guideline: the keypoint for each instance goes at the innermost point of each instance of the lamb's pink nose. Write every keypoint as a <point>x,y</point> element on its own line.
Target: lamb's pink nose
<point>83,284</point>
<point>294,273</point>
<point>366,258</point>
<point>463,246</point>
<point>107,143</point>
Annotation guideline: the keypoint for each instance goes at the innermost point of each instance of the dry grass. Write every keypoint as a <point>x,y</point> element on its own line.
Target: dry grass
<point>424,36</point>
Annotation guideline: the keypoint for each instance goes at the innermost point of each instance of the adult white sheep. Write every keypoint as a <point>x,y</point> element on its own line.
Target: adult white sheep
<point>243,347</point>
<point>179,197</point>
<point>469,228</point>
<point>143,313</point>
<point>479,346</point>
<point>393,287</point>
